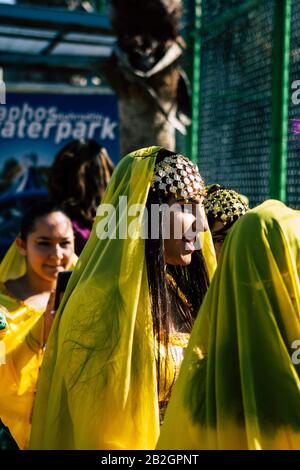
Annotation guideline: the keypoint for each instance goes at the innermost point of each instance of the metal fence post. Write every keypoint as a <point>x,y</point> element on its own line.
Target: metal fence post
<point>196,81</point>
<point>280,99</point>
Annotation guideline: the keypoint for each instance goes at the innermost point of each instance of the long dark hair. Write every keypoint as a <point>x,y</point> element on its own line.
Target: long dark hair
<point>36,211</point>
<point>78,178</point>
<point>192,280</point>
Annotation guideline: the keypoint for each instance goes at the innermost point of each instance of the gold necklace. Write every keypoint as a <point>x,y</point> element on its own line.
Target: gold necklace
<point>172,283</point>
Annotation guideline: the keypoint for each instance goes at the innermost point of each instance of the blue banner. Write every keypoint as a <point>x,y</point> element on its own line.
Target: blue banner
<point>33,128</point>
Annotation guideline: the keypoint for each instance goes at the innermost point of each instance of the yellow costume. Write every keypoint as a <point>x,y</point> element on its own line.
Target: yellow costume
<point>98,383</point>
<point>17,387</point>
<point>22,351</point>
<point>239,387</point>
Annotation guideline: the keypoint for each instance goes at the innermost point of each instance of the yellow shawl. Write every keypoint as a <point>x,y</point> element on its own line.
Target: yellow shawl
<point>18,378</point>
<point>18,384</point>
<point>98,386</point>
<point>238,387</point>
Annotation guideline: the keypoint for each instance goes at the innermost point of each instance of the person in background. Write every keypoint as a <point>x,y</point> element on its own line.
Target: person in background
<point>223,208</point>
<point>239,384</point>
<point>28,273</point>
<point>126,317</point>
<point>77,181</point>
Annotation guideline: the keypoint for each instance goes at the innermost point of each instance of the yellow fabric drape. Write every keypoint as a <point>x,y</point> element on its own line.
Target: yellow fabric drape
<point>13,264</point>
<point>98,386</point>
<point>209,253</point>
<point>238,387</point>
<point>18,385</point>
<point>92,394</point>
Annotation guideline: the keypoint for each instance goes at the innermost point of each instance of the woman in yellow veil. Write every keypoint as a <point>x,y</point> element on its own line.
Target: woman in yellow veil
<point>127,312</point>
<point>28,274</point>
<point>239,385</point>
<point>223,207</point>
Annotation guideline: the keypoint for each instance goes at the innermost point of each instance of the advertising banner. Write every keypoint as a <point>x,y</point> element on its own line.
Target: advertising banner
<point>34,126</point>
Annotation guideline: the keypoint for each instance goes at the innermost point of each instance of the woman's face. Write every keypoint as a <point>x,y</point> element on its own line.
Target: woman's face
<point>185,221</point>
<point>49,248</point>
<point>218,235</point>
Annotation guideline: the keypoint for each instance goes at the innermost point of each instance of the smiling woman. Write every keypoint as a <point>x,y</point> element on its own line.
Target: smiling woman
<point>46,244</point>
<point>46,240</point>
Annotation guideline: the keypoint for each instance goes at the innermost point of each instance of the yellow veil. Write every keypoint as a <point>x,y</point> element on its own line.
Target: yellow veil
<point>238,387</point>
<point>13,264</point>
<point>98,385</point>
<point>21,318</point>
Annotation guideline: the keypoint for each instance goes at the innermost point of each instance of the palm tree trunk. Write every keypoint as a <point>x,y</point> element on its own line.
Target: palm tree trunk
<point>142,73</point>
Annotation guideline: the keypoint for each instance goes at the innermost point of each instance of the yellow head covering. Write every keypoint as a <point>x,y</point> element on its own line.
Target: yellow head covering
<point>98,384</point>
<point>238,387</point>
<point>224,204</point>
<point>13,264</point>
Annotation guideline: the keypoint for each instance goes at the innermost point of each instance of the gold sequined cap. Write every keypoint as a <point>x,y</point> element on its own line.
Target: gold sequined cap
<point>179,176</point>
<point>226,205</point>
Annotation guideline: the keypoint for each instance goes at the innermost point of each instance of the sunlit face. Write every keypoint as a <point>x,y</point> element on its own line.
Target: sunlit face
<point>49,249</point>
<point>186,221</point>
<point>218,235</point>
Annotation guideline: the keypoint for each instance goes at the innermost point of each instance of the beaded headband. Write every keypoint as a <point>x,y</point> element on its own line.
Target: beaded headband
<point>226,205</point>
<point>179,176</point>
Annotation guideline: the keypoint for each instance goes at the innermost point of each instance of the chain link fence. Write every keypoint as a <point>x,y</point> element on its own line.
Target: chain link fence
<point>236,89</point>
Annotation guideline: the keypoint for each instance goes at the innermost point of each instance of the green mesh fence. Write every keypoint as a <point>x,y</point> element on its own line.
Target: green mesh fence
<point>186,26</point>
<point>293,160</point>
<point>241,124</point>
<point>235,99</point>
